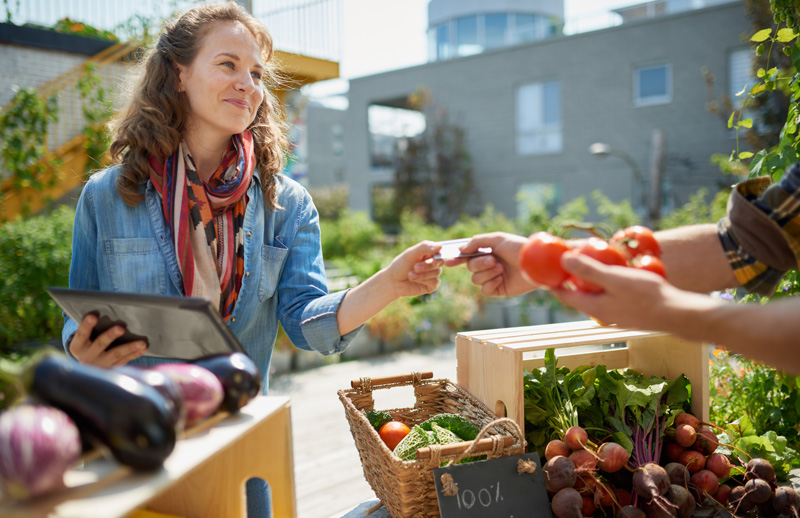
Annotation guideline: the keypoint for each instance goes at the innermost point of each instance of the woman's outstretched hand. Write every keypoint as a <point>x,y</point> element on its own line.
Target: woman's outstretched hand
<point>415,271</point>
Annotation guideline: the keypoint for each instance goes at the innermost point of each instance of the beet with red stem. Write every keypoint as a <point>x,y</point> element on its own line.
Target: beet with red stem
<point>759,468</point>
<point>757,490</point>
<point>738,501</point>
<point>651,482</point>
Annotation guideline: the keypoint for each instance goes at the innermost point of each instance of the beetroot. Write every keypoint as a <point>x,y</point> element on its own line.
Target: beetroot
<point>576,438</point>
<point>584,460</point>
<point>673,451</point>
<point>757,490</point>
<point>686,418</point>
<point>786,502</point>
<point>683,499</point>
<point>706,481</point>
<point>612,457</point>
<point>587,508</point>
<point>678,474</point>
<point>39,444</point>
<point>706,441</point>
<point>201,391</point>
<point>650,481</point>
<point>722,494</point>
<point>556,447</point>
<point>693,460</point>
<point>685,435</point>
<point>759,468</point>
<point>719,464</point>
<point>567,503</point>
<point>559,472</point>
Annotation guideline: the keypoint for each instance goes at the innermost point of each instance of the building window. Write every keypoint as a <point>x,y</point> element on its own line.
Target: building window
<point>539,128</point>
<point>740,75</point>
<point>467,36</point>
<point>443,48</point>
<point>495,30</point>
<point>652,85</point>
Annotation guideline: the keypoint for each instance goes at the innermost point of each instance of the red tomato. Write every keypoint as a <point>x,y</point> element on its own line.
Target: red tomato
<point>392,433</point>
<point>601,251</point>
<point>637,240</point>
<point>540,259</point>
<point>650,263</point>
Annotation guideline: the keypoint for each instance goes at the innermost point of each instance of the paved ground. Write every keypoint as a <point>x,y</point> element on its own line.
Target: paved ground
<point>328,475</point>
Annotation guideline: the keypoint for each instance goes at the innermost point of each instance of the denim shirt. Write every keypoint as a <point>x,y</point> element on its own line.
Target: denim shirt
<point>129,249</point>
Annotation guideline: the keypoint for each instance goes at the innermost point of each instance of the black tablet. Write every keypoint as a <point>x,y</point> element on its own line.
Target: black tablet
<point>174,327</point>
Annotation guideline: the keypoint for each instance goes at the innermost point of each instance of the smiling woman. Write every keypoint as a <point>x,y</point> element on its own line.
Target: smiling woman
<point>195,205</point>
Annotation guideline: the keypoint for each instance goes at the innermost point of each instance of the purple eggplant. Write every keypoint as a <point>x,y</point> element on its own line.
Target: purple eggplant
<point>39,444</point>
<point>239,376</point>
<point>200,390</point>
<point>162,383</point>
<point>128,416</point>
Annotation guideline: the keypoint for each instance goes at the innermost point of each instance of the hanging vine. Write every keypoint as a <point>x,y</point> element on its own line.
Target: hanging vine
<point>97,110</point>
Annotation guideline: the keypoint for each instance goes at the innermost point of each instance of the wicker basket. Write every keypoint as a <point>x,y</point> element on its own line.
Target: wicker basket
<point>406,488</point>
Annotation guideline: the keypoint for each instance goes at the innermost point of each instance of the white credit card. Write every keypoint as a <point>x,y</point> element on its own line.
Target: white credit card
<point>450,249</point>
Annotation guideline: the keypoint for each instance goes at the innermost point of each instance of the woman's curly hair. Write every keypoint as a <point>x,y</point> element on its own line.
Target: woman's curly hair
<point>154,120</point>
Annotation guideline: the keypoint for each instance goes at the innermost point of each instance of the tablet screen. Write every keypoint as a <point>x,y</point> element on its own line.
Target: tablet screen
<point>174,327</point>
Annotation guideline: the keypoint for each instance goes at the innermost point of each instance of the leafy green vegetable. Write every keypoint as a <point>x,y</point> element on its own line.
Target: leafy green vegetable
<point>630,408</point>
<point>378,418</point>
<point>417,438</point>
<point>772,401</point>
<point>746,444</point>
<point>457,424</point>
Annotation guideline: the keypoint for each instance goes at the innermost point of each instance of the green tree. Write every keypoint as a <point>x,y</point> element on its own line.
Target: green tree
<point>433,171</point>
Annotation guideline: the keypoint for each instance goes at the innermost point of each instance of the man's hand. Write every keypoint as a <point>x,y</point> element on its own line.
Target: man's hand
<point>497,274</point>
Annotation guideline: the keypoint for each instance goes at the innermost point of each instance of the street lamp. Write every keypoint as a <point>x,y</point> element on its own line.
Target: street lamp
<point>601,150</point>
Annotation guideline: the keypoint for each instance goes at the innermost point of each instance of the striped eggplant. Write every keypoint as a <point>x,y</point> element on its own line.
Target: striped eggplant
<point>239,375</point>
<point>200,389</point>
<point>38,444</point>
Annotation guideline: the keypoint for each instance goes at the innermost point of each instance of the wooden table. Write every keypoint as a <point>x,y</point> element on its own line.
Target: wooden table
<point>204,476</point>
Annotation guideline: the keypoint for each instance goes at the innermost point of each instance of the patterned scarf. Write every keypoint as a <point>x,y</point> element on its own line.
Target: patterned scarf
<point>206,219</point>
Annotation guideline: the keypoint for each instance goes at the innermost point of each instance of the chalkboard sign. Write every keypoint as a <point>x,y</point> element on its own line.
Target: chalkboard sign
<point>508,487</point>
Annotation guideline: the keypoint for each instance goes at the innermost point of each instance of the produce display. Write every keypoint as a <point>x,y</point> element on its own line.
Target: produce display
<point>134,414</point>
<point>617,443</point>
<point>439,429</point>
<point>635,246</point>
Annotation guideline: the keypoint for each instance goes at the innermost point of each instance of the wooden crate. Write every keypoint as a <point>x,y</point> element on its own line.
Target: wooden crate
<point>491,363</point>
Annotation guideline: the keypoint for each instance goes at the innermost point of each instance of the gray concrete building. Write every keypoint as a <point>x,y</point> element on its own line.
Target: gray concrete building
<point>532,110</point>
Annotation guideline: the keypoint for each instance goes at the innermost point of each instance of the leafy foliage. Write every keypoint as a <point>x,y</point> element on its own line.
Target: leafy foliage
<point>35,253</point>
<point>23,128</point>
<point>768,399</point>
<point>433,174</point>
<point>97,110</point>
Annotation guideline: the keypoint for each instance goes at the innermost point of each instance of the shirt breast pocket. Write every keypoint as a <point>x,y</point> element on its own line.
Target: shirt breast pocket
<point>272,259</point>
<point>136,265</point>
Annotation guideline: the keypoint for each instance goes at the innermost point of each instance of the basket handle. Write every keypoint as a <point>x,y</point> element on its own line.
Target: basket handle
<point>460,447</point>
<point>387,380</point>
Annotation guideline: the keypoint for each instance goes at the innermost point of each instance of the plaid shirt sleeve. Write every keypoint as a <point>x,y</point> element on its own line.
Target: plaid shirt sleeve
<point>761,232</point>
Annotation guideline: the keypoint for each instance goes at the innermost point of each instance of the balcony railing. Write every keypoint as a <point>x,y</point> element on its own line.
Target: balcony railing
<point>305,27</point>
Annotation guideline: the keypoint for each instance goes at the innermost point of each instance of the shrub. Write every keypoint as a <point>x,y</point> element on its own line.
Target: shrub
<point>35,253</point>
